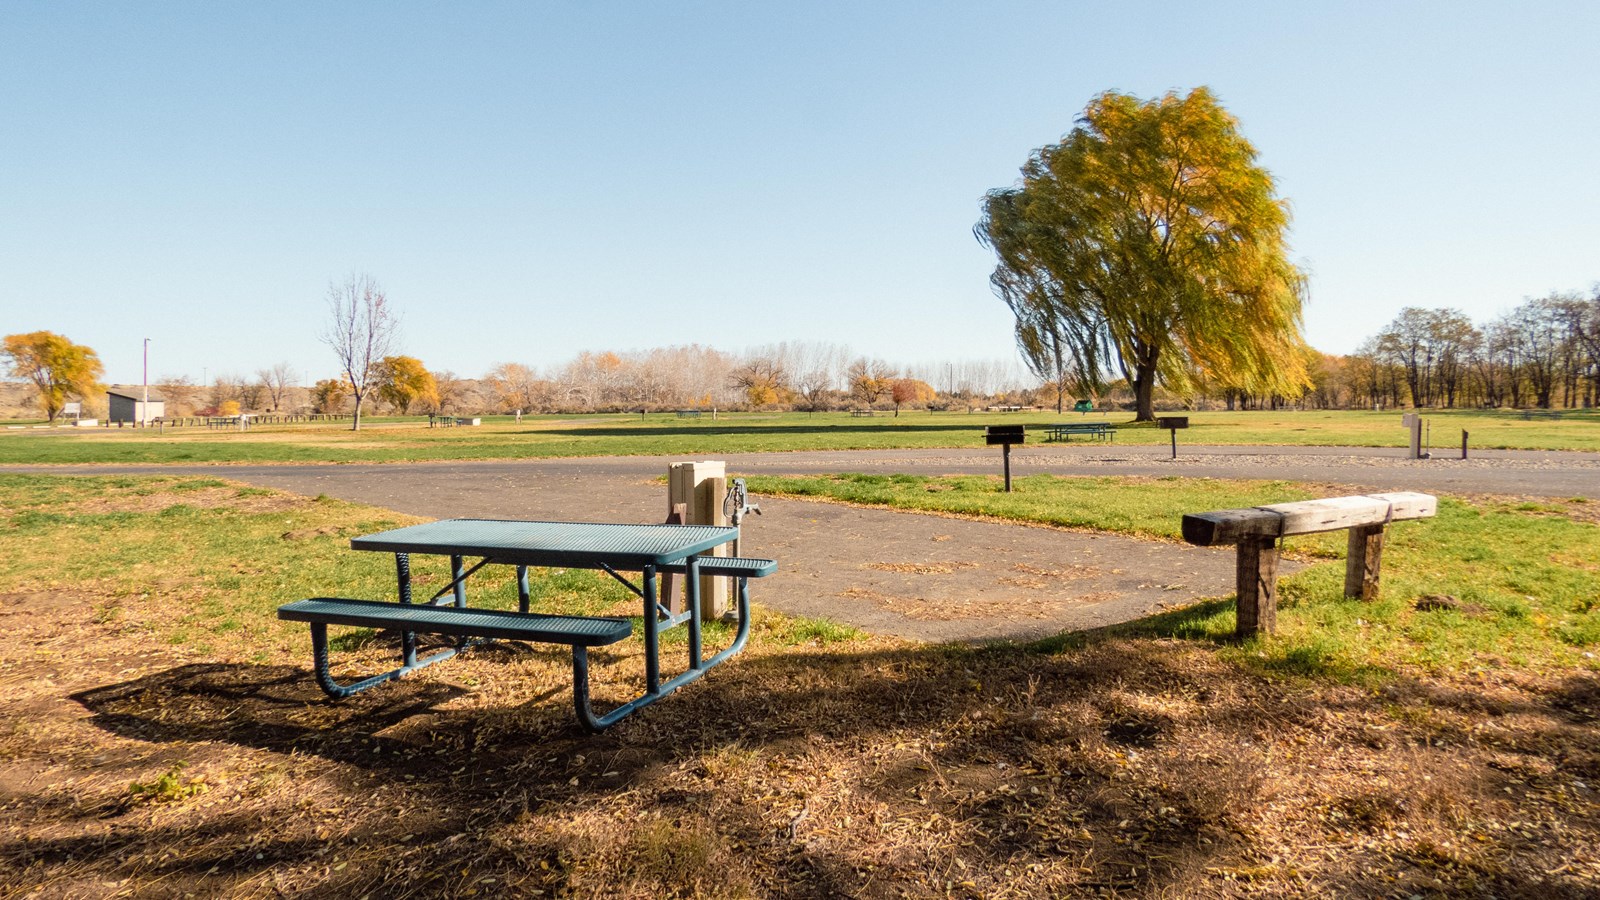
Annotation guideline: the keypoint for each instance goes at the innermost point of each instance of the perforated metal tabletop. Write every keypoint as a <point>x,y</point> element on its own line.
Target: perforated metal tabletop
<point>577,544</point>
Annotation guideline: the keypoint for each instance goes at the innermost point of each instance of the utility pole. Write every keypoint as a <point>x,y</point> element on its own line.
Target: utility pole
<point>144,410</point>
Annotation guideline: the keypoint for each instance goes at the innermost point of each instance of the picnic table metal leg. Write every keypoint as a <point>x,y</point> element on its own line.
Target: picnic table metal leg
<point>652,635</point>
<point>322,669</point>
<point>692,585</point>
<point>580,672</point>
<point>522,589</point>
<point>408,639</point>
<point>457,573</point>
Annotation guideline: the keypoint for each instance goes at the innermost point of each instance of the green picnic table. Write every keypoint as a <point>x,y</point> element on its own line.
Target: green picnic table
<point>1100,431</point>
<point>649,550</point>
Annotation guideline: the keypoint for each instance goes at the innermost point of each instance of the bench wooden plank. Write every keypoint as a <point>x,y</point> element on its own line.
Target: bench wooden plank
<point>1230,526</point>
<point>487,623</point>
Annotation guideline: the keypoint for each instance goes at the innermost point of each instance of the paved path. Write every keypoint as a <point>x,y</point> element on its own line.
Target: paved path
<point>922,576</point>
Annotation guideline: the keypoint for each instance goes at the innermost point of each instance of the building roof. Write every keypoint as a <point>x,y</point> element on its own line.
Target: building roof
<point>135,392</point>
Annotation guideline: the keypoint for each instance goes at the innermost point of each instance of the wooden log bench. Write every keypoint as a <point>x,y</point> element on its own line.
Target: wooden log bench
<point>1256,532</point>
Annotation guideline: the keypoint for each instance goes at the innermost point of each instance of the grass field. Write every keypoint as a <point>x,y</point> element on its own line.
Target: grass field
<point>387,440</point>
<point>1524,573</point>
<point>161,735</point>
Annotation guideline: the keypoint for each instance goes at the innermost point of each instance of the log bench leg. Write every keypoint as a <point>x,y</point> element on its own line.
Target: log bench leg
<point>1257,580</point>
<point>1364,560</point>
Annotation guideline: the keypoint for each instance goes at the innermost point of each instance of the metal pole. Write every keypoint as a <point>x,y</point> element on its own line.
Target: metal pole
<point>1174,433</point>
<point>1463,443</point>
<point>1007,456</point>
<point>144,411</point>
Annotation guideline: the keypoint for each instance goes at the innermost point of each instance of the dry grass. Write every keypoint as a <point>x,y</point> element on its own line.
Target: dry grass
<point>1147,767</point>
<point>875,769</point>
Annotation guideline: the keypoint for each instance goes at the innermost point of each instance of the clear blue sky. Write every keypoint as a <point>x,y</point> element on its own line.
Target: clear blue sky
<point>531,180</point>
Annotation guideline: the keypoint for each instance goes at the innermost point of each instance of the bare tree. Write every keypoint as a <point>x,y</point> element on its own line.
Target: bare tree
<point>869,379</point>
<point>277,381</point>
<point>223,388</point>
<point>515,386</point>
<point>251,394</point>
<point>763,381</point>
<point>361,331</point>
<point>179,391</point>
<point>450,392</point>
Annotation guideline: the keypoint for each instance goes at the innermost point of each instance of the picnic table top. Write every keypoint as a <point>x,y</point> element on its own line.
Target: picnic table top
<point>577,544</point>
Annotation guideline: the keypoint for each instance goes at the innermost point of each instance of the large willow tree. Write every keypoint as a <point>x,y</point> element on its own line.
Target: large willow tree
<point>1149,237</point>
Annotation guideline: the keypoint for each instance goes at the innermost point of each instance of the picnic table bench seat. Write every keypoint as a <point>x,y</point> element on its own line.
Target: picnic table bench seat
<point>587,631</point>
<point>731,566</point>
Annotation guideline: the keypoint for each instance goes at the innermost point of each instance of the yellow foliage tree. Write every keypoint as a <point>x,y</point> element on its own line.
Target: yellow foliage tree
<point>57,367</point>
<point>1150,237</point>
<point>403,381</point>
<point>329,395</point>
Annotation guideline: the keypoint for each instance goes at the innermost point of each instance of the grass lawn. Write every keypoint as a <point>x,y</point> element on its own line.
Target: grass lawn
<point>390,440</point>
<point>161,734</point>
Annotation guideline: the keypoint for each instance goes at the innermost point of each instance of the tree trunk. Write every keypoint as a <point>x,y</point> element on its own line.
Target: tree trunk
<point>355,424</point>
<point>1144,390</point>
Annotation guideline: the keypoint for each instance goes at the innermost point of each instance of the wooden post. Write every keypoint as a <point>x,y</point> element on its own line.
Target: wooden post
<point>1257,579</point>
<point>1413,424</point>
<point>668,593</point>
<point>699,486</point>
<point>1362,565</point>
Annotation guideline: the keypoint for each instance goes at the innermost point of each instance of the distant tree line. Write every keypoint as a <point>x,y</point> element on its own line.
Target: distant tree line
<point>1544,353</point>
<point>802,376</point>
<point>797,375</point>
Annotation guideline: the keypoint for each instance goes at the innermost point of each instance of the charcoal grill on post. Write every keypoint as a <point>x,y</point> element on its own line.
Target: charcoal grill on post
<point>1005,436</point>
<point>1172,424</point>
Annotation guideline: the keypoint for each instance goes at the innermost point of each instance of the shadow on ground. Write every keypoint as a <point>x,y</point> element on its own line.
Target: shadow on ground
<point>1140,767</point>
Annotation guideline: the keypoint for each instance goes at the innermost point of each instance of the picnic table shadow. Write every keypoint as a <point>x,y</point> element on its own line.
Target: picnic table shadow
<point>273,707</point>
<point>780,703</point>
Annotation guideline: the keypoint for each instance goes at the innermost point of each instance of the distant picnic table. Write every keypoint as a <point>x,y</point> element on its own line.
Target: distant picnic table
<point>1100,431</point>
